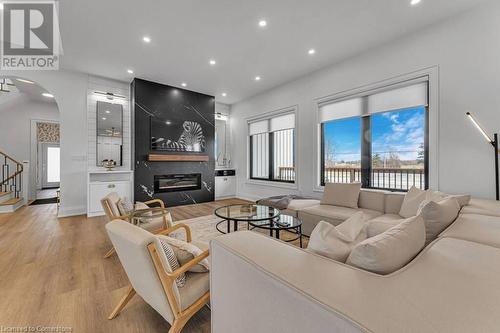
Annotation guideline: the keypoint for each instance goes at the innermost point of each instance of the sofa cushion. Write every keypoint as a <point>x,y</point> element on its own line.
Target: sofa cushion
<point>372,199</point>
<point>382,223</point>
<point>483,207</point>
<point>392,249</point>
<point>341,194</point>
<point>297,204</point>
<point>336,242</point>
<point>335,215</point>
<point>413,198</point>
<point>477,228</point>
<point>393,202</point>
<point>438,216</point>
<point>197,284</point>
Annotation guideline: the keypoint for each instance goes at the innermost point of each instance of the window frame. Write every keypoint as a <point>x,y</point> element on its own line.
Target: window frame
<point>432,146</point>
<point>271,179</point>
<point>366,156</point>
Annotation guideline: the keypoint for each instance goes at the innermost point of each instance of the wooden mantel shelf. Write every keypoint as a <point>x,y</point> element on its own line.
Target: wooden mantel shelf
<point>177,158</point>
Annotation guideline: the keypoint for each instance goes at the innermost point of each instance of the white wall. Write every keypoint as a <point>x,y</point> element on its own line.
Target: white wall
<point>70,91</point>
<point>467,51</point>
<point>15,124</point>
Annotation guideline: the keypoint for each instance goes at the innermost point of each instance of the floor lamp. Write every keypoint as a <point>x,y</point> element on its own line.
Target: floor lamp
<point>494,143</point>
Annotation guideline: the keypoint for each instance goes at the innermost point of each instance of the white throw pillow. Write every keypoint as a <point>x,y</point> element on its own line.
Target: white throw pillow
<point>185,252</point>
<point>463,199</point>
<point>438,216</point>
<point>341,194</point>
<point>336,242</point>
<point>413,198</point>
<point>391,250</point>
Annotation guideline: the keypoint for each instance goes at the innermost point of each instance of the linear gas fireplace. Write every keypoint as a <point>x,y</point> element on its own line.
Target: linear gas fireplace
<point>177,182</point>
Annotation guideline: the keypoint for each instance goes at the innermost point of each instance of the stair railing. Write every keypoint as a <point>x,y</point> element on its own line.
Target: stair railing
<point>11,181</point>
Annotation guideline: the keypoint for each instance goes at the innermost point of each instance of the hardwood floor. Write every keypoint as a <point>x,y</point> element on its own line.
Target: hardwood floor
<point>52,273</point>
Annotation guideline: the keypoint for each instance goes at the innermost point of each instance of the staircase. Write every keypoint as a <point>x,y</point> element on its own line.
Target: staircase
<point>11,189</point>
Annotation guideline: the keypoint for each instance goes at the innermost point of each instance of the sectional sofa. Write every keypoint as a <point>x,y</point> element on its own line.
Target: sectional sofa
<point>259,284</point>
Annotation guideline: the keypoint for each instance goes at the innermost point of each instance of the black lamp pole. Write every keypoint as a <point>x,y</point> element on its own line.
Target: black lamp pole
<point>494,143</point>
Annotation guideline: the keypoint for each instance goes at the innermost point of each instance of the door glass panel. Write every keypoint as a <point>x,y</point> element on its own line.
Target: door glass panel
<point>53,169</point>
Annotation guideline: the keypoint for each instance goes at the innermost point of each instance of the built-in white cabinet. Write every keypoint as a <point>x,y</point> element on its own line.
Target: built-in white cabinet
<point>101,183</point>
<point>225,183</point>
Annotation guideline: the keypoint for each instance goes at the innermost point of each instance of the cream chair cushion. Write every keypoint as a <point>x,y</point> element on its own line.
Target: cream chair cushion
<point>151,224</point>
<point>112,200</point>
<point>336,242</point>
<point>391,250</point>
<point>413,198</point>
<point>438,216</point>
<point>197,285</point>
<point>340,194</point>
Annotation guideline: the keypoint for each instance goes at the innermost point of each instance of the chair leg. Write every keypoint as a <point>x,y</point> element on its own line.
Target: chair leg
<point>122,303</point>
<point>177,325</point>
<point>109,253</point>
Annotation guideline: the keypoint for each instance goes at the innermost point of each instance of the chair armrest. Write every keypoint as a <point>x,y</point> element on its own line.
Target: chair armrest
<point>175,227</point>
<point>184,268</point>
<point>155,201</point>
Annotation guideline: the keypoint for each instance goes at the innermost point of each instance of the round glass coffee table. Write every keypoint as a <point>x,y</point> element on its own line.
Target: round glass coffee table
<point>282,222</point>
<point>244,213</point>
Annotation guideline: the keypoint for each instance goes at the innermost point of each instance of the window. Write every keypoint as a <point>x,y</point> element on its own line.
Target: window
<point>378,139</point>
<point>272,148</point>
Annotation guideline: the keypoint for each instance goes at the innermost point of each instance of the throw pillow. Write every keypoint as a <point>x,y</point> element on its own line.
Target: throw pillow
<point>438,216</point>
<point>125,206</point>
<point>186,252</point>
<point>336,242</point>
<point>169,260</point>
<point>463,199</point>
<point>338,194</point>
<point>413,198</point>
<point>392,249</point>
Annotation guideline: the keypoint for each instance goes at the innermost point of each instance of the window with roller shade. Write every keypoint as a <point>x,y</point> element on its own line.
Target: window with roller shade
<point>272,148</point>
<point>378,138</point>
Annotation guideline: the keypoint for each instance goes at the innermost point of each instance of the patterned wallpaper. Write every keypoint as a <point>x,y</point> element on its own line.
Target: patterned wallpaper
<point>47,132</point>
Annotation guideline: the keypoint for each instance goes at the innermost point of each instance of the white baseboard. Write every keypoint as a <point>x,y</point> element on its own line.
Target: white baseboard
<point>71,211</point>
<point>248,197</point>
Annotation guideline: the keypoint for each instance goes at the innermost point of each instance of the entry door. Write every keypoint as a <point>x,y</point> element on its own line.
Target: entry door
<point>50,165</point>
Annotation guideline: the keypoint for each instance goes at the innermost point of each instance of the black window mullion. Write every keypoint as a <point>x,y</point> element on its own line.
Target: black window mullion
<point>322,158</point>
<point>366,152</point>
<point>271,156</point>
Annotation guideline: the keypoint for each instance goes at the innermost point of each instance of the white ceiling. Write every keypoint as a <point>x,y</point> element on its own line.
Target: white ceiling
<point>31,91</point>
<point>105,38</point>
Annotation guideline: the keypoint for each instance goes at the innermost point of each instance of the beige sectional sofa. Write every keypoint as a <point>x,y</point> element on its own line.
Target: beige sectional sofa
<point>381,207</point>
<point>259,284</point>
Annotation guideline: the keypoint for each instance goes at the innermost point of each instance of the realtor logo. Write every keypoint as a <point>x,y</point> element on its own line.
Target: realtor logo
<point>30,36</point>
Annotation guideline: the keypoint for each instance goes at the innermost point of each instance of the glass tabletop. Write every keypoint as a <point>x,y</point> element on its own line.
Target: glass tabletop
<point>279,223</point>
<point>147,215</point>
<point>247,212</point>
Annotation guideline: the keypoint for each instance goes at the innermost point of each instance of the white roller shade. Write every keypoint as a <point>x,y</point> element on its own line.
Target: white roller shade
<point>400,98</point>
<point>258,127</point>
<point>284,122</point>
<point>338,110</point>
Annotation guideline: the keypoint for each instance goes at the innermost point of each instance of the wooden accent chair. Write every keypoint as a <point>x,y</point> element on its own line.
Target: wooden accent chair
<point>155,283</point>
<point>110,205</point>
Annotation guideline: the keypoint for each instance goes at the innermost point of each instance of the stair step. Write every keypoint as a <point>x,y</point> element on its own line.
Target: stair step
<point>4,193</point>
<point>10,202</point>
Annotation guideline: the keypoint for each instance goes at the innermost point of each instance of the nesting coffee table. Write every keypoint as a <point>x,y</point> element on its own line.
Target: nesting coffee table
<point>258,216</point>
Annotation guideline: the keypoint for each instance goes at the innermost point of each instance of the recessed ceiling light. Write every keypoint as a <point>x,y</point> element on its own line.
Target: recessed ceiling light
<point>168,122</point>
<point>130,71</point>
<point>103,118</point>
<point>262,23</point>
<point>212,62</point>
<point>1,6</point>
<point>311,51</point>
<point>48,95</point>
<point>25,81</point>
<point>184,84</point>
<point>224,94</point>
<point>257,78</point>
<point>108,112</point>
<point>146,39</point>
<point>415,2</point>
